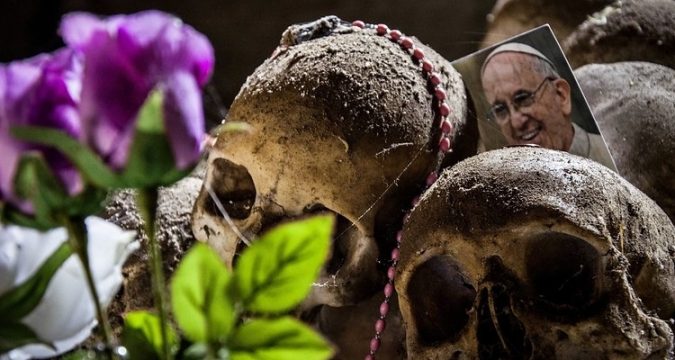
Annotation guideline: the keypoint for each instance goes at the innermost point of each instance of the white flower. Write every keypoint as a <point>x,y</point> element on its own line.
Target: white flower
<point>65,315</point>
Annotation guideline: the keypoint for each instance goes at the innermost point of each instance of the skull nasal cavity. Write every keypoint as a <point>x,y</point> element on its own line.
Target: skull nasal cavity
<point>441,297</point>
<point>233,187</point>
<point>563,269</point>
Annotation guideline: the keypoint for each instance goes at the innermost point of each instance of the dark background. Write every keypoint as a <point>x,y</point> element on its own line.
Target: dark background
<point>245,32</point>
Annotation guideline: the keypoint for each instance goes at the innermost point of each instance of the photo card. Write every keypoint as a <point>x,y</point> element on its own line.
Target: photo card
<point>525,92</point>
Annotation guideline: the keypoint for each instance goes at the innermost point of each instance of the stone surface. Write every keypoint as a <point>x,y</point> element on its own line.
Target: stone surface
<point>174,235</point>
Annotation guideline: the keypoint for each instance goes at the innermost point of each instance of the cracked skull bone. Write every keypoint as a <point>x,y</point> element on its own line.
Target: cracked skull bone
<point>342,121</point>
<point>526,253</point>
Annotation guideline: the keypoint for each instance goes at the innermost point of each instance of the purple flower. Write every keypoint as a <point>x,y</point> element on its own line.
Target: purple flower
<point>41,91</point>
<point>128,56</point>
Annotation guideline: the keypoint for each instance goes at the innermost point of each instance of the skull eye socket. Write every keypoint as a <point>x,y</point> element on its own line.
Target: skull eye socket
<point>563,270</point>
<point>343,237</point>
<point>234,188</point>
<point>441,297</point>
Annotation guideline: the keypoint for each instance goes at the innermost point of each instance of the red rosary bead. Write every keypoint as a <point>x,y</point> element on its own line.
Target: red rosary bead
<point>446,126</point>
<point>395,254</point>
<point>440,94</point>
<point>435,79</point>
<point>374,345</point>
<point>395,35</point>
<point>444,146</point>
<point>384,309</point>
<point>388,290</point>
<point>433,176</point>
<point>391,273</point>
<point>418,54</point>
<point>379,326</point>
<point>444,109</point>
<point>406,43</point>
<point>427,66</point>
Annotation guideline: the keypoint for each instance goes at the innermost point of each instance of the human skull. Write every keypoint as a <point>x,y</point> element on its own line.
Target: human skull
<point>627,30</point>
<point>341,121</point>
<point>528,253</point>
<point>633,105</point>
<point>511,17</point>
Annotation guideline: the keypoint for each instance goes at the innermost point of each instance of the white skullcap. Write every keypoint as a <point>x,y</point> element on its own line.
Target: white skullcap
<point>518,48</point>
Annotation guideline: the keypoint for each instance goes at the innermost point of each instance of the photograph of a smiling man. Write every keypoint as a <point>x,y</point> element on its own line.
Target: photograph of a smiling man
<point>531,98</point>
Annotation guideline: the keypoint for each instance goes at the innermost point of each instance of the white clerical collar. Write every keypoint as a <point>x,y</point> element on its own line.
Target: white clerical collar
<point>581,144</point>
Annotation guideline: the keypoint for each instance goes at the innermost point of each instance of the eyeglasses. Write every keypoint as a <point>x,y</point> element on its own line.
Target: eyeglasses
<point>500,111</point>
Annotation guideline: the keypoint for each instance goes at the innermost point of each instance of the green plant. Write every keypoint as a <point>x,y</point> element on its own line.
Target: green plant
<point>242,314</point>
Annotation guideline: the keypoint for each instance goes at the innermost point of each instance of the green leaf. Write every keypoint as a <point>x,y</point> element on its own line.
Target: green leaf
<point>151,161</point>
<point>199,296</point>
<point>35,182</point>
<point>275,273</point>
<point>279,339</point>
<point>90,165</point>
<point>142,335</point>
<point>15,334</point>
<point>21,300</point>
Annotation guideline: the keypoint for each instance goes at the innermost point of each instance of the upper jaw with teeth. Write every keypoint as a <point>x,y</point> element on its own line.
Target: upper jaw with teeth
<point>529,135</point>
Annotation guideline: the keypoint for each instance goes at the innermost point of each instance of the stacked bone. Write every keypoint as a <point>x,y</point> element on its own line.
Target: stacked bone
<point>344,121</point>
<point>530,253</point>
<point>630,96</point>
<point>538,254</point>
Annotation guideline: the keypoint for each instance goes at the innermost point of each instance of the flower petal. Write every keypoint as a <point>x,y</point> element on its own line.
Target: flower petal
<point>184,118</point>
<point>67,306</point>
<point>41,91</point>
<point>77,28</point>
<point>142,29</point>
<point>20,77</point>
<point>10,150</point>
<point>113,92</point>
<point>126,57</point>
<point>42,351</point>
<point>198,48</point>
<point>65,314</point>
<point>180,47</point>
<point>110,247</point>
<point>24,250</point>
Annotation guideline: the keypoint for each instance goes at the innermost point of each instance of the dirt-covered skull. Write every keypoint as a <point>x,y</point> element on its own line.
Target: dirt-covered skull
<point>342,120</point>
<point>526,253</point>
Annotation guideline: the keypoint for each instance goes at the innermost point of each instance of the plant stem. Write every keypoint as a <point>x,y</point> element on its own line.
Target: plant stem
<point>146,200</point>
<point>78,238</point>
<point>210,352</point>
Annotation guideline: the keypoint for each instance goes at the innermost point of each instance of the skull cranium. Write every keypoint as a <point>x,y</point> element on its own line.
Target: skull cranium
<point>526,253</point>
<point>342,120</point>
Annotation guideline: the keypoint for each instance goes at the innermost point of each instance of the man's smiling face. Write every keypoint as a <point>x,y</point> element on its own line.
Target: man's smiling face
<point>510,76</point>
